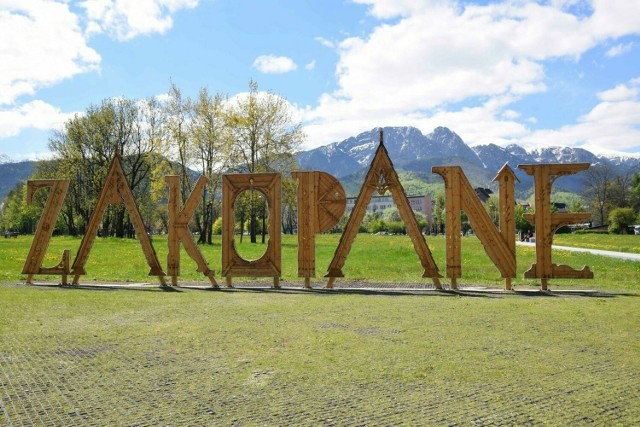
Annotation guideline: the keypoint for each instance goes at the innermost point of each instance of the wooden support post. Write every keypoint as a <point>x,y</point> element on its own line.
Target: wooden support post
<point>330,282</point>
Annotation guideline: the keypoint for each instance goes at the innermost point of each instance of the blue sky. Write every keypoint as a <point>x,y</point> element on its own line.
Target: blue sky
<point>555,72</point>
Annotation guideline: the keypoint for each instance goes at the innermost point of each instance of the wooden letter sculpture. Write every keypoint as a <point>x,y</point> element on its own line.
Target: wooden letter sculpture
<point>269,265</point>
<point>116,190</point>
<point>321,203</point>
<point>382,177</point>
<point>179,229</point>
<point>40,243</point>
<point>546,223</point>
<point>499,246</point>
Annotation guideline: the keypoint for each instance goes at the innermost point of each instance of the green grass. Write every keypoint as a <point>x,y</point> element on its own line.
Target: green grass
<point>153,356</point>
<point>241,357</point>
<point>385,259</point>
<point>608,242</point>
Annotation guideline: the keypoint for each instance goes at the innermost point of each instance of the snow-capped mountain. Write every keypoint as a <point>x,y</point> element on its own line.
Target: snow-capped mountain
<point>411,150</point>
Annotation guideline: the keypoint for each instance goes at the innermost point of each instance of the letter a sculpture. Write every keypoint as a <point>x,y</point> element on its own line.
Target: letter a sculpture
<point>382,177</point>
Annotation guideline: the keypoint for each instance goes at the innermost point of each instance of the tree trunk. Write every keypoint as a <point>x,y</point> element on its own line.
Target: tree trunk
<point>119,222</point>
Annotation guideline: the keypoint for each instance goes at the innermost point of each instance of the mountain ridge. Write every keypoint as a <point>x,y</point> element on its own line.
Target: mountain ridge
<point>412,151</point>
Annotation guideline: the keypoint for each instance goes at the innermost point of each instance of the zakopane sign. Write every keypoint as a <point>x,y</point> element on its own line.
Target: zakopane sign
<point>321,203</point>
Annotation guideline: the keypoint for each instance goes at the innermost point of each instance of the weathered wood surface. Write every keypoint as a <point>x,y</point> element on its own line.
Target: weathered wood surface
<point>116,190</point>
<point>321,203</point>
<point>179,229</point>
<point>498,245</point>
<point>44,231</point>
<point>270,264</point>
<point>546,223</point>
<point>382,177</point>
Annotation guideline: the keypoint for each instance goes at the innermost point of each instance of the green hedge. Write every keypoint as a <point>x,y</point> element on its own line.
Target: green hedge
<point>592,232</point>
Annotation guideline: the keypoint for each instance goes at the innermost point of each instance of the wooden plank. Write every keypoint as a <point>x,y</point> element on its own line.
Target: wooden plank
<point>44,231</point>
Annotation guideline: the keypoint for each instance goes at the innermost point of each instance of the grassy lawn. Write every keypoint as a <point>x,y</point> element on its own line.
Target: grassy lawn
<point>147,356</point>
<point>608,242</point>
<point>385,259</point>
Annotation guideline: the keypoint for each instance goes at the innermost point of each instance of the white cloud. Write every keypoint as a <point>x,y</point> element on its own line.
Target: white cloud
<point>42,44</point>
<point>436,54</point>
<point>324,42</point>
<point>126,19</point>
<point>619,49</point>
<point>386,9</point>
<point>619,93</point>
<point>35,114</point>
<point>310,65</point>
<point>271,64</point>
<point>610,125</point>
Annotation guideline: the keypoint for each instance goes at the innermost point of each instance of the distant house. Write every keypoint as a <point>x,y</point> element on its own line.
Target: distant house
<point>559,207</point>
<point>483,193</point>
<point>422,204</point>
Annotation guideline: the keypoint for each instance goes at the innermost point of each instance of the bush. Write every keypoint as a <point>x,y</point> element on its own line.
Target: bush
<point>592,232</point>
<point>396,227</point>
<point>620,219</point>
<point>217,226</point>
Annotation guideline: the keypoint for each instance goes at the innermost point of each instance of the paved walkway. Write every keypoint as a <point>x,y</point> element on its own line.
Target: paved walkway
<point>612,254</point>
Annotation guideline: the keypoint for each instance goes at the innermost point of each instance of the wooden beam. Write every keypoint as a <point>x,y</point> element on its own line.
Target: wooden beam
<point>44,231</point>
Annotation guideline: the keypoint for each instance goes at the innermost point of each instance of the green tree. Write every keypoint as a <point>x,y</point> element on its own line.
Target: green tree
<point>265,136</point>
<point>177,143</point>
<point>211,138</point>
<point>620,219</point>
<point>84,149</point>
<point>438,213</point>
<point>522,225</point>
<point>597,190</point>
<point>635,191</point>
<point>492,206</point>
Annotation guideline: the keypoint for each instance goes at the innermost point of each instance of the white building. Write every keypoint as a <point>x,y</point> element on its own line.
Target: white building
<point>422,204</point>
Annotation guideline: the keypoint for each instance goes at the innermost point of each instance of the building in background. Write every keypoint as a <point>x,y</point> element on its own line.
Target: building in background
<point>422,204</point>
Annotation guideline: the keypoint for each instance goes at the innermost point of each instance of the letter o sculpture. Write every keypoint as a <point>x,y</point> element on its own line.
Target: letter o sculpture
<point>270,264</point>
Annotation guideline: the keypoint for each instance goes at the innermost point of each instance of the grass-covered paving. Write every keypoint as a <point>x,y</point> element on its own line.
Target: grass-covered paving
<point>147,356</point>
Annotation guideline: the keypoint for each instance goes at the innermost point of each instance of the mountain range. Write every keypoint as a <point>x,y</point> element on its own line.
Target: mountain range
<point>414,153</point>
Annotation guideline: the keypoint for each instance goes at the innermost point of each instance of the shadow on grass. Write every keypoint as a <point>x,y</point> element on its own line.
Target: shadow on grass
<point>370,289</point>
